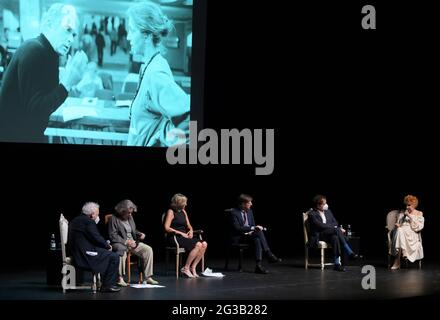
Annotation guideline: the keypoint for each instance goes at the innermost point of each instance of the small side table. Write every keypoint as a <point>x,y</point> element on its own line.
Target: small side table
<point>54,264</point>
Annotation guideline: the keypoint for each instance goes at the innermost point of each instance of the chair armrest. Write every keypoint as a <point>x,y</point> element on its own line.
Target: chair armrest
<point>197,231</point>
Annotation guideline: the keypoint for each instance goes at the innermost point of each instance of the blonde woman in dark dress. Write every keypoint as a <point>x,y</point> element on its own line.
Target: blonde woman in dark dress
<point>177,222</point>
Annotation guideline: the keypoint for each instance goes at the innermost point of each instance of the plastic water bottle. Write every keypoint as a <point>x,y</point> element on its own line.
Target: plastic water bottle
<point>53,244</point>
<point>349,231</point>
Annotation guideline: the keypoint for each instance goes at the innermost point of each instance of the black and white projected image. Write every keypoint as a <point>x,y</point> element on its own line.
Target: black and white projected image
<point>101,72</point>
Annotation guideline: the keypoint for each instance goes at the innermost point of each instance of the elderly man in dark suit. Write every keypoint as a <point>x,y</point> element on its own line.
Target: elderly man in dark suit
<point>324,227</point>
<point>89,249</point>
<point>245,228</point>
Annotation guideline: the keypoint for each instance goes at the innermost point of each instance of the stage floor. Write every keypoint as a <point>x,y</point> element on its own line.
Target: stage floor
<point>287,281</point>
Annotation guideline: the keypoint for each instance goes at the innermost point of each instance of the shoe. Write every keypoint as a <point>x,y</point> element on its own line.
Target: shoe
<point>122,283</point>
<point>260,269</point>
<point>111,289</point>
<point>339,267</point>
<point>355,256</point>
<point>395,267</point>
<point>187,273</point>
<point>274,259</point>
<point>150,281</point>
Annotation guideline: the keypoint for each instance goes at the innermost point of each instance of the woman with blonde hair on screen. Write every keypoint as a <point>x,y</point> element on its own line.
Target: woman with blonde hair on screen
<point>160,106</point>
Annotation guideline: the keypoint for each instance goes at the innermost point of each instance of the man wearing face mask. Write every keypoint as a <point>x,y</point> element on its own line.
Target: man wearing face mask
<point>31,88</point>
<point>324,227</point>
<point>89,249</point>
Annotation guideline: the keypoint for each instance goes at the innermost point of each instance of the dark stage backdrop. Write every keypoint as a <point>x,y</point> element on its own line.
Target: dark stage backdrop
<point>353,113</point>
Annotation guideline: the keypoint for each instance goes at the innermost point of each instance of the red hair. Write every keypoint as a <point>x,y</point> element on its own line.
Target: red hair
<point>411,200</point>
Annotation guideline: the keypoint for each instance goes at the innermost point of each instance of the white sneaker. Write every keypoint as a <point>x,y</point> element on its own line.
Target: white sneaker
<point>150,281</point>
<point>122,283</point>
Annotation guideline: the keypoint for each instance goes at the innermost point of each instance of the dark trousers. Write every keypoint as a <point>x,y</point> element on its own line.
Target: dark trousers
<point>110,276</point>
<point>113,47</point>
<point>260,244</point>
<point>100,56</point>
<point>336,238</point>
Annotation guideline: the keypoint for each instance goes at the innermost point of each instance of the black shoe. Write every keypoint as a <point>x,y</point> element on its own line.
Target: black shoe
<point>111,289</point>
<point>274,259</point>
<point>355,256</point>
<point>339,267</point>
<point>260,269</point>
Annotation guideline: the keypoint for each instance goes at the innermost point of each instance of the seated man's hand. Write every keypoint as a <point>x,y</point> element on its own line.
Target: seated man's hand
<point>259,227</point>
<point>131,243</point>
<point>142,236</point>
<point>111,248</point>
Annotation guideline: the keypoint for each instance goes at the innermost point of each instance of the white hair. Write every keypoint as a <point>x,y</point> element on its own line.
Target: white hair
<point>89,208</point>
<point>59,14</point>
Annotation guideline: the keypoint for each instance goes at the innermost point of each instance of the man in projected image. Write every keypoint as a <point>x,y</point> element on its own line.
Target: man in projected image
<point>324,227</point>
<point>32,89</point>
<point>245,229</point>
<point>160,105</point>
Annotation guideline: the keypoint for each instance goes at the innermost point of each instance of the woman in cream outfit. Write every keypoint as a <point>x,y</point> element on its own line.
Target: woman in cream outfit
<point>407,240</point>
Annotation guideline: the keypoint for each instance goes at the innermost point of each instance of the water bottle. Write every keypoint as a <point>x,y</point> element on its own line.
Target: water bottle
<point>349,231</point>
<point>53,244</point>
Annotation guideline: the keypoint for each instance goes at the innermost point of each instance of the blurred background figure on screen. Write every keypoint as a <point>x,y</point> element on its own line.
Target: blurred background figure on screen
<point>100,45</point>
<point>88,45</point>
<point>114,41</point>
<point>160,105</point>
<point>90,82</point>
<point>31,88</point>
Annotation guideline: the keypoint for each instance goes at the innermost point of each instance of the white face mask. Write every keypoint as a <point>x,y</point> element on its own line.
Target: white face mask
<point>325,207</point>
<point>97,219</point>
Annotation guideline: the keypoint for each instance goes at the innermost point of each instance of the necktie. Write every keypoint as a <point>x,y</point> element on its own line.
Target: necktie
<point>245,219</point>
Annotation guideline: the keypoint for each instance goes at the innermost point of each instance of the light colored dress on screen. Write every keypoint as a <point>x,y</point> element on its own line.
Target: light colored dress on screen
<point>408,237</point>
<point>160,106</point>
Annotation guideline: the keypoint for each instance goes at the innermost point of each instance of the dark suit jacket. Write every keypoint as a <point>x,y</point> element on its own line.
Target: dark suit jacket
<point>84,237</point>
<point>31,91</point>
<point>118,234</point>
<point>317,225</point>
<point>238,227</point>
